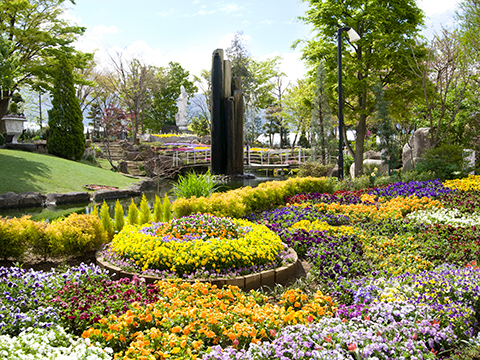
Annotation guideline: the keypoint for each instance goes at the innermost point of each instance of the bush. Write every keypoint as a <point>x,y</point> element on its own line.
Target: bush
<point>243,201</point>
<point>12,232</point>
<point>314,169</point>
<point>446,161</point>
<point>76,235</point>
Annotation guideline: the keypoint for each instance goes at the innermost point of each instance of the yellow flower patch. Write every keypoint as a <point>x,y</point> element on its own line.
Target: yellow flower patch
<point>207,241</point>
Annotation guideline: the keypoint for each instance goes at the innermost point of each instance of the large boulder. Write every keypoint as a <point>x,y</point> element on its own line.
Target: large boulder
<point>69,198</point>
<point>115,194</point>
<point>382,168</point>
<point>415,148</point>
<point>27,199</point>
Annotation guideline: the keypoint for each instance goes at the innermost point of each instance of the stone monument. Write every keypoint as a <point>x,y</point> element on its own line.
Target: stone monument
<point>181,115</point>
<point>415,148</point>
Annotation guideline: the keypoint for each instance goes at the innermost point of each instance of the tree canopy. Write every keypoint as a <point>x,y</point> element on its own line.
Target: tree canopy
<point>387,32</point>
<point>32,33</point>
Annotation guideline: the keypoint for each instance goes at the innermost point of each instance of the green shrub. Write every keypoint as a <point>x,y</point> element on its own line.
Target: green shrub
<point>106,219</point>
<point>12,232</point>
<point>144,215</point>
<point>194,184</point>
<point>76,235</point>
<point>132,215</point>
<point>446,161</point>
<point>166,210</point>
<point>314,169</point>
<point>37,237</point>
<point>242,201</point>
<point>119,216</point>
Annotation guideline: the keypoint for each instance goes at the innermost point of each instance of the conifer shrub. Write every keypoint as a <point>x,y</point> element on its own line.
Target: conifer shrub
<point>132,216</point>
<point>119,216</point>
<point>65,119</point>
<point>106,219</point>
<point>144,214</point>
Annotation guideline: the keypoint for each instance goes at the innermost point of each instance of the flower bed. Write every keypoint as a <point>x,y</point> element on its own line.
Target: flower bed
<point>183,246</point>
<point>95,187</point>
<point>386,287</point>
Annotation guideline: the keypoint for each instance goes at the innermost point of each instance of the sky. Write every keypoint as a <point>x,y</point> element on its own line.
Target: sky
<point>188,31</point>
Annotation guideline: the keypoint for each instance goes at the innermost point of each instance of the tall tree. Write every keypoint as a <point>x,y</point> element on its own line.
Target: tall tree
<point>321,124</point>
<point>445,75</point>
<point>65,119</point>
<point>135,82</point>
<point>31,34</point>
<point>387,31</point>
<point>163,106</point>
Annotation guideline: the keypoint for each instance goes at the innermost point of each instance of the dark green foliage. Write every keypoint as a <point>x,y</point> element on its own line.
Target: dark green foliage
<point>65,119</point>
<point>446,161</point>
<point>200,125</point>
<point>164,100</point>
<point>314,169</point>
<point>390,147</point>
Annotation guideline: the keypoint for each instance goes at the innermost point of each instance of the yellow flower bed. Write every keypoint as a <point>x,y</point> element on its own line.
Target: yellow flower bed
<point>472,182</point>
<point>192,317</point>
<point>318,225</point>
<point>198,241</point>
<point>395,208</point>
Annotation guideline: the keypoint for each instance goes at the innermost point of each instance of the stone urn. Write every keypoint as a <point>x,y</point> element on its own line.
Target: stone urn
<point>13,125</point>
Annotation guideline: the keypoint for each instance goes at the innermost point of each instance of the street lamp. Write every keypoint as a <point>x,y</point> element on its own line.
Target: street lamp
<point>353,36</point>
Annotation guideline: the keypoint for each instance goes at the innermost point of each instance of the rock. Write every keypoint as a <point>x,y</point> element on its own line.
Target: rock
<point>144,185</point>
<point>370,154</point>
<point>115,194</point>
<point>69,198</point>
<point>133,155</point>
<point>123,167</point>
<point>13,200</point>
<point>414,149</point>
<point>382,168</point>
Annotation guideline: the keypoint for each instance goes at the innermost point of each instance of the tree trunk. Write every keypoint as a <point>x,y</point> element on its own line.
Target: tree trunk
<point>4,106</point>
<point>360,144</point>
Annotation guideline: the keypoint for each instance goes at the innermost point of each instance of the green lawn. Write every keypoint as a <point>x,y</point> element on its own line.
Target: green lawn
<point>24,171</point>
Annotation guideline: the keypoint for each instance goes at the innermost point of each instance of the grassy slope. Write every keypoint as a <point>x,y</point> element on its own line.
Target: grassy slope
<point>23,171</point>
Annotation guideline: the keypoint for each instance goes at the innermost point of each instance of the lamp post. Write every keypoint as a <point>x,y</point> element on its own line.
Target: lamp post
<point>353,36</point>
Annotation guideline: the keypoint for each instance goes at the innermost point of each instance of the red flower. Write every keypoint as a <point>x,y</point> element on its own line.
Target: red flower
<point>352,347</point>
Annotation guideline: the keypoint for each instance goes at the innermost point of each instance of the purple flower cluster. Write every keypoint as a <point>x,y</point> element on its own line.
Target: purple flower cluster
<point>317,198</point>
<point>429,188</point>
<point>387,332</point>
<point>284,217</point>
<point>23,293</point>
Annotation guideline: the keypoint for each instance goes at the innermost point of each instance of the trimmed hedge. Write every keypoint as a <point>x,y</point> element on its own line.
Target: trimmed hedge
<point>243,201</point>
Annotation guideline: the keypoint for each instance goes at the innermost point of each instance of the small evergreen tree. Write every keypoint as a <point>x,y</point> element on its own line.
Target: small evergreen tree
<point>144,216</point>
<point>65,119</point>
<point>157,209</point>
<point>119,216</point>
<point>106,219</point>
<point>132,213</point>
<point>167,210</point>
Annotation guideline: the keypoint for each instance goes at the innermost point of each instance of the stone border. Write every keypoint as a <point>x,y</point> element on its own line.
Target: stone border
<point>248,282</point>
<point>11,200</point>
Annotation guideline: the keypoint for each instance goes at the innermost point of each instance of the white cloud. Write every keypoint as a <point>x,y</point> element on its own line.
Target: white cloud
<point>166,13</point>
<point>230,8</point>
<point>435,7</point>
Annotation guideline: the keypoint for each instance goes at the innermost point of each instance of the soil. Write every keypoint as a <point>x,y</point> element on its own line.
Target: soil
<point>38,263</point>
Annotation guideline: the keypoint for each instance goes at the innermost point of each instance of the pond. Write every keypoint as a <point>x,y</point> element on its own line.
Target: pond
<point>54,211</point>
